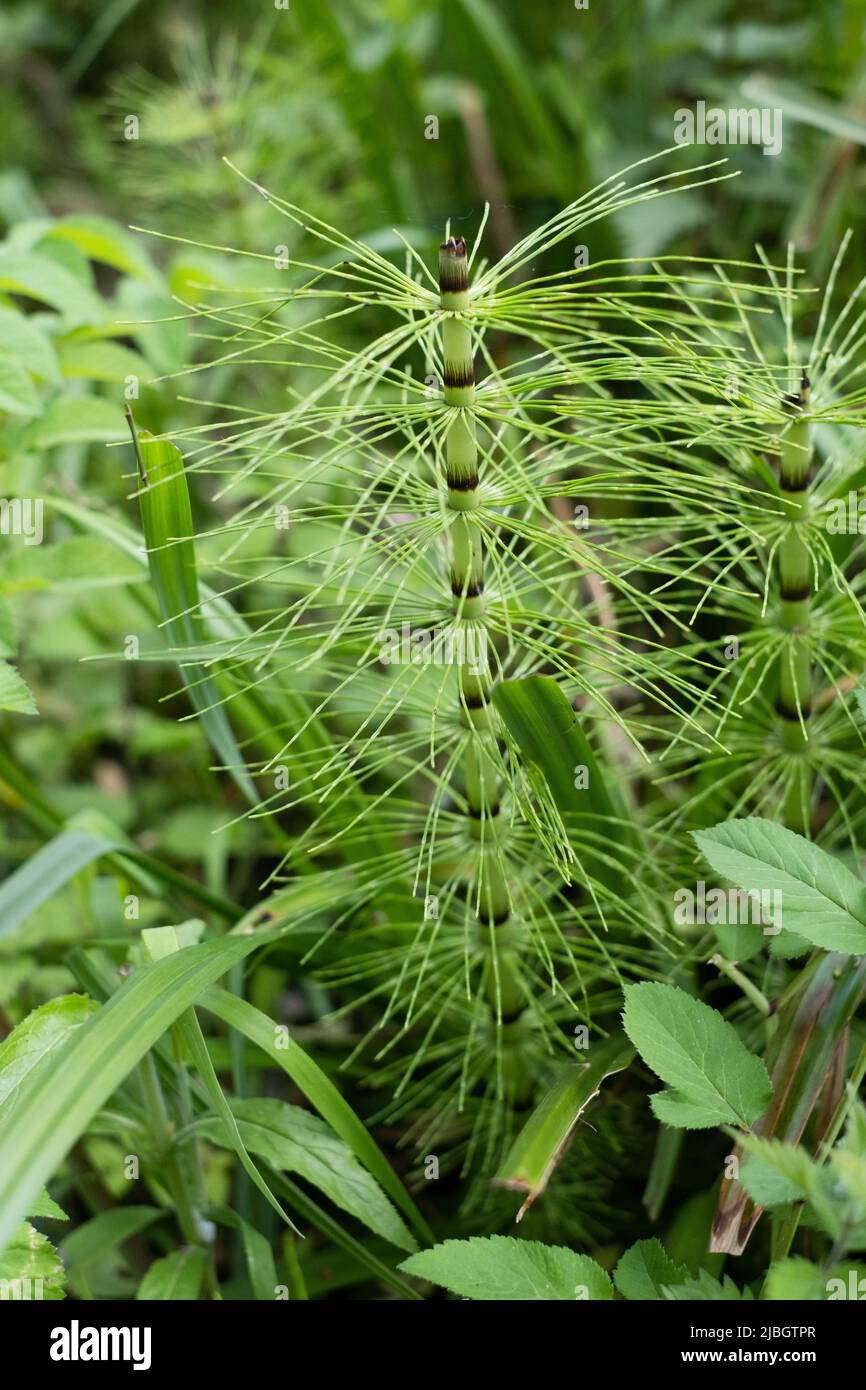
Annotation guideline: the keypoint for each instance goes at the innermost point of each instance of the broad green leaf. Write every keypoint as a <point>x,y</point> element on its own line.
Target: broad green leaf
<point>795,1279</point>
<point>294,1141</point>
<point>77,564</point>
<point>39,277</point>
<point>18,395</point>
<point>37,1036</point>
<point>102,240</point>
<point>644,1271</point>
<point>544,1138</point>
<point>705,1288</point>
<point>822,900</point>
<point>319,1090</point>
<point>56,1099</point>
<point>500,1268</point>
<point>15,694</point>
<point>741,941</point>
<point>850,1169</point>
<point>78,420</point>
<point>177,1277</point>
<point>166,517</point>
<point>714,1079</point>
<point>27,344</point>
<point>101,361</point>
<point>30,1267</point>
<point>775,1173</point>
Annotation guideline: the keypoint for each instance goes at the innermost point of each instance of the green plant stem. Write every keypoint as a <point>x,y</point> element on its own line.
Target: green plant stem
<point>750,990</point>
<point>297,1282</point>
<point>795,579</point>
<point>180,1171</point>
<point>483,791</point>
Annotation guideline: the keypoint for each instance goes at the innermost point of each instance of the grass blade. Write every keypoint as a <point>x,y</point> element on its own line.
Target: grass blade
<point>542,1142</point>
<point>320,1091</point>
<point>166,517</point>
<point>58,1098</point>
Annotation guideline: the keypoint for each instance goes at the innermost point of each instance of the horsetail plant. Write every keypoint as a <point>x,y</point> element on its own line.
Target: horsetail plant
<point>437,559</point>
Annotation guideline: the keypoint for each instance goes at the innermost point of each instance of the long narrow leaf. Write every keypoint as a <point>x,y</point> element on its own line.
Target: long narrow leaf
<point>320,1091</point>
<point>54,1103</point>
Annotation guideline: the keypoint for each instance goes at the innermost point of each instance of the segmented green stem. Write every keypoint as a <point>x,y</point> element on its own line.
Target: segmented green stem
<point>467,587</point>
<point>795,590</point>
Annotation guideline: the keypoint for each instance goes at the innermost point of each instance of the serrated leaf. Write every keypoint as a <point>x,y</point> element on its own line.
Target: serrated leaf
<point>36,1037</point>
<point>15,693</point>
<point>30,1267</point>
<point>45,1207</point>
<point>822,900</point>
<point>488,1268</point>
<point>644,1271</point>
<point>705,1288</point>
<point>714,1079</point>
<point>775,1173</point>
<point>294,1141</point>
<point>177,1277</point>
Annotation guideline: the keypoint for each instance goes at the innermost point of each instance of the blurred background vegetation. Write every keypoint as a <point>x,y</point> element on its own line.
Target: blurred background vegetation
<point>332,104</point>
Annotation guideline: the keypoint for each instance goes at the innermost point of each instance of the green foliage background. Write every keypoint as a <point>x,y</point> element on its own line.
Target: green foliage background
<point>329,105</point>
